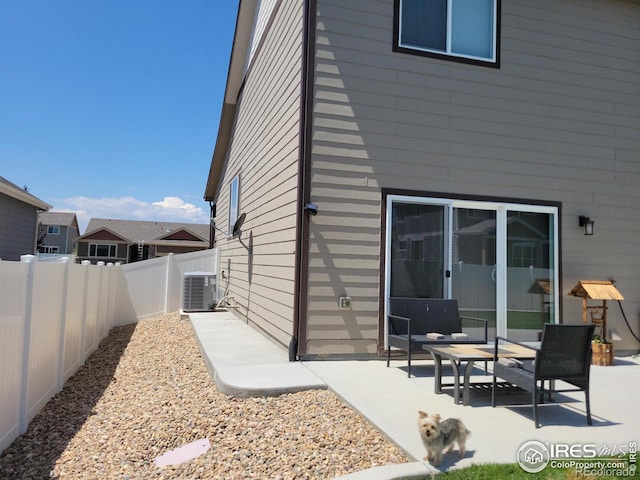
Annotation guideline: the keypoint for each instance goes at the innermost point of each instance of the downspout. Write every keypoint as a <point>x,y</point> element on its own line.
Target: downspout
<point>297,346</point>
<point>212,225</point>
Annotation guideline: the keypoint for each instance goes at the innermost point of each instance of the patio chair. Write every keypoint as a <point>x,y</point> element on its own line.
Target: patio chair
<point>413,322</point>
<point>564,354</point>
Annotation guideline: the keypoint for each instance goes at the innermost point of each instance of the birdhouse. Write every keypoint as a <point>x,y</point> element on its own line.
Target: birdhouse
<point>597,290</point>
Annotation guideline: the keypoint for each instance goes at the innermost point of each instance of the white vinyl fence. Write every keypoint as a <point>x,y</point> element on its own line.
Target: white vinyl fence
<point>155,286</point>
<point>54,315</point>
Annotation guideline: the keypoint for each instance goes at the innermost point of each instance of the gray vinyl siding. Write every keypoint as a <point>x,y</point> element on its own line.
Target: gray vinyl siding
<point>18,222</point>
<point>259,269</point>
<point>64,241</point>
<point>559,121</point>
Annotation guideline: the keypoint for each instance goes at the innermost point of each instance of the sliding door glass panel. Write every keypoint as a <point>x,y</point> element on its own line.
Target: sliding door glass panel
<point>530,274</point>
<point>417,250</point>
<point>473,263</point>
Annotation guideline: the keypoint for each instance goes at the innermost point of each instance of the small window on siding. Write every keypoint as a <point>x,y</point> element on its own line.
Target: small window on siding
<point>234,202</point>
<point>53,230</point>
<point>462,30</point>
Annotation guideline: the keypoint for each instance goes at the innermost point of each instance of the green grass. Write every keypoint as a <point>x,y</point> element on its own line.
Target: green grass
<point>500,471</point>
<point>513,471</point>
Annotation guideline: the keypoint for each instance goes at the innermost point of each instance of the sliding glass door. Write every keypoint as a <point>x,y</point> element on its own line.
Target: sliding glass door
<point>473,263</point>
<point>530,273</point>
<point>499,260</point>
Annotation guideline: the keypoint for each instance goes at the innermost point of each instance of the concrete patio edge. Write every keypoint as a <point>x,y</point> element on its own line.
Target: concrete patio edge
<point>417,470</point>
<point>261,369</point>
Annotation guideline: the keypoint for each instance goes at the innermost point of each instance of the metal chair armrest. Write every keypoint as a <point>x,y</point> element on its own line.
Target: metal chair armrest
<point>401,319</point>
<point>504,339</point>
<point>484,321</point>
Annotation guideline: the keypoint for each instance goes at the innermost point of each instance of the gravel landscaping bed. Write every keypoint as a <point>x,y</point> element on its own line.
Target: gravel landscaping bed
<point>146,391</point>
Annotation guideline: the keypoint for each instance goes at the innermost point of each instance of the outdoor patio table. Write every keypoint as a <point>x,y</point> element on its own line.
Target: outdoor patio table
<point>457,354</point>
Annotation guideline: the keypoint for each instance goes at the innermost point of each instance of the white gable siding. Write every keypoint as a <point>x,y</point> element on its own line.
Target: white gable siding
<point>559,121</point>
<point>264,152</point>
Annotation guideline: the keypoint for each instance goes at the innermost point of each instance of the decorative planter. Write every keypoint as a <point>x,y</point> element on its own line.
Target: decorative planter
<point>602,354</point>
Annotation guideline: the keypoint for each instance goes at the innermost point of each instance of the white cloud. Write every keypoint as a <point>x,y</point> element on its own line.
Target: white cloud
<point>171,209</point>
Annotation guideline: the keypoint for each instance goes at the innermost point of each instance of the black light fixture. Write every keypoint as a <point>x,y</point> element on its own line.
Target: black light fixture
<point>587,223</point>
<point>311,209</point>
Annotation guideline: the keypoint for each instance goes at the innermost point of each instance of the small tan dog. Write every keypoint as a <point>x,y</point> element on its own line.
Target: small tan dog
<point>439,436</point>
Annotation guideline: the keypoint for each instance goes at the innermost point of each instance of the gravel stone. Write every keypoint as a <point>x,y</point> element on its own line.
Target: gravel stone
<point>146,390</point>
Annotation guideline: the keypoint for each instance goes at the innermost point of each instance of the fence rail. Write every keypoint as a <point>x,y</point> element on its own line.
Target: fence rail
<point>54,315</point>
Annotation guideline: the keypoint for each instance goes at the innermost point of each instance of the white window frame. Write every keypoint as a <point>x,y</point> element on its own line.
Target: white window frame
<point>501,209</point>
<point>112,250</point>
<point>53,229</point>
<point>492,59</point>
<point>234,202</point>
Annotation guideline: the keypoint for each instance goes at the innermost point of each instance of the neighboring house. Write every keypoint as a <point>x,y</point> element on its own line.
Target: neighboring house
<point>126,241</point>
<point>18,221</point>
<point>448,148</point>
<point>60,232</point>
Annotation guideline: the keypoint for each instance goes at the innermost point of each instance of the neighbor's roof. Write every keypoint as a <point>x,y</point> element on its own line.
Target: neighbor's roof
<point>135,231</point>
<point>64,219</point>
<point>14,191</point>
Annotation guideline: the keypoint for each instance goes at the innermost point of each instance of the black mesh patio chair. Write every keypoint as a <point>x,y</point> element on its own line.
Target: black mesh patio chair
<point>564,354</point>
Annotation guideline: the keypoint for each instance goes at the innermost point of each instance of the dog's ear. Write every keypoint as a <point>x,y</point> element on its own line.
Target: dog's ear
<point>436,417</point>
<point>422,414</point>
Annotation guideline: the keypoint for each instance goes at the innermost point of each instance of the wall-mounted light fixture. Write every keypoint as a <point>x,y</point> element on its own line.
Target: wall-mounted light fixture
<point>587,223</point>
<point>311,209</point>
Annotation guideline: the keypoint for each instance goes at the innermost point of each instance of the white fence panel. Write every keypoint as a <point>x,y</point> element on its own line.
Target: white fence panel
<point>124,311</point>
<point>46,322</point>
<point>13,278</point>
<point>203,261</point>
<point>54,315</point>
<point>90,335</point>
<point>155,286</point>
<point>147,284</point>
<point>76,289</point>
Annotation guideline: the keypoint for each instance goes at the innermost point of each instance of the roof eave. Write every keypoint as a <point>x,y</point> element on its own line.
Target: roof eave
<point>235,76</point>
<point>24,196</point>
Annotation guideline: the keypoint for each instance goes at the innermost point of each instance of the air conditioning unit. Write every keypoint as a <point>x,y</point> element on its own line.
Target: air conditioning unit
<point>198,291</point>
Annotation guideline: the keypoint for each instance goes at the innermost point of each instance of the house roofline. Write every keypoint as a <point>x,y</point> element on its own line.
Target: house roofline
<point>123,239</point>
<point>14,191</point>
<point>235,78</point>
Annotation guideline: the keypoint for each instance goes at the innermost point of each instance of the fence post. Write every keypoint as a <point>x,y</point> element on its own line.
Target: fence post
<point>167,288</point>
<point>26,339</point>
<point>100,333</point>
<point>110,297</point>
<point>83,335</point>
<point>63,327</point>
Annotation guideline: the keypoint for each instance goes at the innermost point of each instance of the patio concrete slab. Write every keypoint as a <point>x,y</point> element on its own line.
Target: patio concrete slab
<point>390,400</point>
<point>243,362</point>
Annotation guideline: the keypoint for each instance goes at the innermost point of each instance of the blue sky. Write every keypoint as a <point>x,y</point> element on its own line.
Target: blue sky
<point>110,108</point>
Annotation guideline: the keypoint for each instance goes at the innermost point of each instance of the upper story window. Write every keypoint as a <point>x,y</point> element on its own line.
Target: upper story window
<point>53,230</point>
<point>461,30</point>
